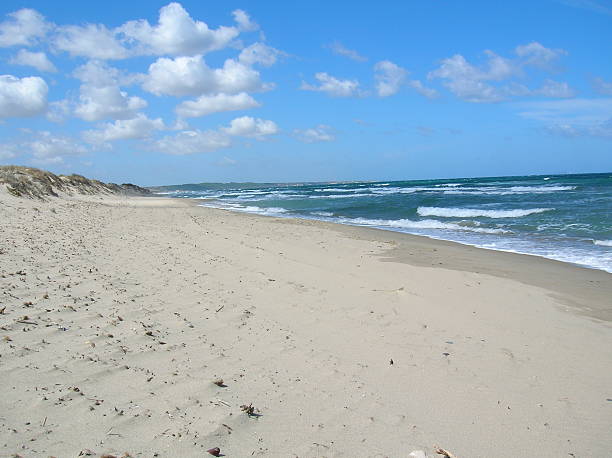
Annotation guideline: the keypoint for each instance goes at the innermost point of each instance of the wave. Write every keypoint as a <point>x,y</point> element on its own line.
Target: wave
<point>422,224</point>
<point>269,211</point>
<point>541,188</point>
<point>475,212</point>
<point>603,242</point>
<point>336,190</point>
<point>339,196</point>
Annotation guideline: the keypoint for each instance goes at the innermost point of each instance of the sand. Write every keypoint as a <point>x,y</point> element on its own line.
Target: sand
<point>118,314</point>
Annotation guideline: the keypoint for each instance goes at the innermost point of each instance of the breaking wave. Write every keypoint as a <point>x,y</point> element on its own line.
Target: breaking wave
<point>475,212</point>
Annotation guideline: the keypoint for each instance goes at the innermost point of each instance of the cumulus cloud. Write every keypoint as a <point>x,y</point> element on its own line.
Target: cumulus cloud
<point>475,83</point>
<point>259,53</point>
<point>52,149</point>
<point>320,133</point>
<point>339,49</point>
<point>178,34</point>
<point>94,41</point>
<point>469,82</point>
<point>536,54</point>
<point>38,60</point>
<point>251,127</point>
<point>333,86</point>
<point>192,142</point>
<point>389,78</point>
<point>100,96</point>
<point>205,141</point>
<point>44,147</point>
<point>244,22</point>
<point>123,129</point>
<point>216,103</point>
<point>23,28</point>
<point>107,102</point>
<point>191,76</point>
<point>22,97</point>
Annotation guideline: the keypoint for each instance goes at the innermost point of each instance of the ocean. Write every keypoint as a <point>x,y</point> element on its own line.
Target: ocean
<point>562,217</point>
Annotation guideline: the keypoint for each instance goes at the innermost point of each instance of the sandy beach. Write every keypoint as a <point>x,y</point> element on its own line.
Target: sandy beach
<point>119,314</point>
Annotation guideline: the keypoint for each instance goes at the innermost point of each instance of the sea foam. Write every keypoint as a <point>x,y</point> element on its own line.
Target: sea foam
<point>422,224</point>
<point>475,212</point>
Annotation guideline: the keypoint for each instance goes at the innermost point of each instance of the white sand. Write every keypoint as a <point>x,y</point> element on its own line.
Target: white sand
<point>494,355</point>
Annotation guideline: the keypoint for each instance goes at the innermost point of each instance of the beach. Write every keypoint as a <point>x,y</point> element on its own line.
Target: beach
<point>119,314</point>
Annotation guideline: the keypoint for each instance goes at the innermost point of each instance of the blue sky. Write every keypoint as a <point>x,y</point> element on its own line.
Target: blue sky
<point>158,93</point>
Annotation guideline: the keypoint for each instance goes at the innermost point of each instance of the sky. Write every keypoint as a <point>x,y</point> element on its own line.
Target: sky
<point>157,92</point>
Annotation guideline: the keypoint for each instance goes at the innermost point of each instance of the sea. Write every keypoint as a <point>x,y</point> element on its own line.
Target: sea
<point>562,217</point>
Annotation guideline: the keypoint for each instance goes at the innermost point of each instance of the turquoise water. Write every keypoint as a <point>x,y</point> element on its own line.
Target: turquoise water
<point>562,217</point>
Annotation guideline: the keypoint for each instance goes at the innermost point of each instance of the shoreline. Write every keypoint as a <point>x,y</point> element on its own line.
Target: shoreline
<point>121,313</point>
<point>561,276</point>
<point>432,237</point>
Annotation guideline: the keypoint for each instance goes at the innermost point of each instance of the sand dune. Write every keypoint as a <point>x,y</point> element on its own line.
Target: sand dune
<point>118,314</point>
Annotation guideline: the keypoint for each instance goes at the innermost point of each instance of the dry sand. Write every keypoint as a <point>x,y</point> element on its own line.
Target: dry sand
<point>118,315</point>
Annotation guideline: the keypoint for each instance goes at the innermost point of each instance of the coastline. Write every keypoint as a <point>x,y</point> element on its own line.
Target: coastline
<point>560,277</point>
<point>495,354</point>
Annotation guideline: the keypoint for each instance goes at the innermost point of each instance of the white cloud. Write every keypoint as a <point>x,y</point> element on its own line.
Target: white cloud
<point>107,102</point>
<point>333,86</point>
<point>251,127</point>
<point>38,60</point>
<point>320,133</point>
<point>474,83</point>
<point>101,97</point>
<point>602,87</point>
<point>192,142</point>
<point>339,49</point>
<point>205,141</point>
<point>44,147</point>
<point>22,97</point>
<point>24,28</point>
<point>536,54</point>
<point>244,22</point>
<point>59,110</point>
<point>555,89</point>
<point>123,129</point>
<point>422,89</point>
<point>93,41</point>
<point>191,76</point>
<point>208,104</point>
<point>389,78</point>
<point>468,82</point>
<point>178,34</point>
<point>259,53</point>
<point>49,148</point>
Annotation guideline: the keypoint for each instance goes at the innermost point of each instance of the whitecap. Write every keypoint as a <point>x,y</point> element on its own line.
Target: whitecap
<point>475,212</point>
<point>422,224</point>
